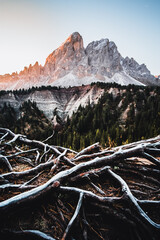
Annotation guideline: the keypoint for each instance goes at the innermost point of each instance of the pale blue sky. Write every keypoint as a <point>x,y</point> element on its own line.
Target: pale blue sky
<point>31,29</point>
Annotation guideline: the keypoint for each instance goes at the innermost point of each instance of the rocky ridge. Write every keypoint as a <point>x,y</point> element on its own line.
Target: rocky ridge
<point>73,65</point>
<point>66,101</point>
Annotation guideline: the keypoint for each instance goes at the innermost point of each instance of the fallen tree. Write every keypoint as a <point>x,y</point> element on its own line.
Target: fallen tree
<point>49,192</point>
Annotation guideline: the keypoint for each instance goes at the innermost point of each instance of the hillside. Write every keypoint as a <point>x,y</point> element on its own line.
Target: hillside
<point>47,99</point>
<point>122,115</point>
<point>111,114</point>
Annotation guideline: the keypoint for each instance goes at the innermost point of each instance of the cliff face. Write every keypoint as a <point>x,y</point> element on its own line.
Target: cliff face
<point>73,65</point>
<point>66,101</point>
<point>65,58</point>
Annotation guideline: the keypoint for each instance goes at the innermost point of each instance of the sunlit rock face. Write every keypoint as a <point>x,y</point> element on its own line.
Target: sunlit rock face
<point>65,58</point>
<point>73,65</point>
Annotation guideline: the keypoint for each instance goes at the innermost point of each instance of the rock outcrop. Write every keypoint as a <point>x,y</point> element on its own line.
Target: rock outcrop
<point>103,58</point>
<point>73,65</point>
<point>139,72</point>
<point>65,101</point>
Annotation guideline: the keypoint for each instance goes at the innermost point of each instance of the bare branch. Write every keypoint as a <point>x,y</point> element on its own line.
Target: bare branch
<point>6,162</point>
<point>49,137</point>
<point>88,149</point>
<point>119,189</point>
<point>151,159</point>
<point>126,190</point>
<point>74,216</point>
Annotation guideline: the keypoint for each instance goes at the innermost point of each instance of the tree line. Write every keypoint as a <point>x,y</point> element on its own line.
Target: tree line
<point>123,114</point>
<point>131,115</point>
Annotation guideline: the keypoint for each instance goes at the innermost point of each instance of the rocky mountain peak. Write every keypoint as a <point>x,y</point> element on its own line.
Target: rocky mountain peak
<point>104,57</point>
<point>66,57</point>
<point>76,40</point>
<point>138,71</point>
<point>73,45</point>
<point>72,65</point>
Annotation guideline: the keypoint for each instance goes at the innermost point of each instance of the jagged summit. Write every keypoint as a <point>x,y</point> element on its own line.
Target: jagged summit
<point>65,58</point>
<point>73,65</point>
<point>104,57</point>
<point>74,37</point>
<point>74,43</point>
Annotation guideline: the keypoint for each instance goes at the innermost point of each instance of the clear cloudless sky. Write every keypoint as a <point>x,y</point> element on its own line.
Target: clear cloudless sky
<point>31,29</point>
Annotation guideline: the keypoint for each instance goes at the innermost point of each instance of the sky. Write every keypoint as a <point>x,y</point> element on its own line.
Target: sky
<point>31,29</point>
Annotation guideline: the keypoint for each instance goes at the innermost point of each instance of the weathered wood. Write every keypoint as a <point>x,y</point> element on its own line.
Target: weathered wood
<point>151,159</point>
<point>88,149</point>
<point>34,143</point>
<point>4,160</point>
<point>127,192</point>
<point>73,217</point>
<point>34,170</point>
<point>86,176</point>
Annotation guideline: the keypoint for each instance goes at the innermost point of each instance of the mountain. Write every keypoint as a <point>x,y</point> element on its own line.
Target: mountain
<point>73,65</point>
